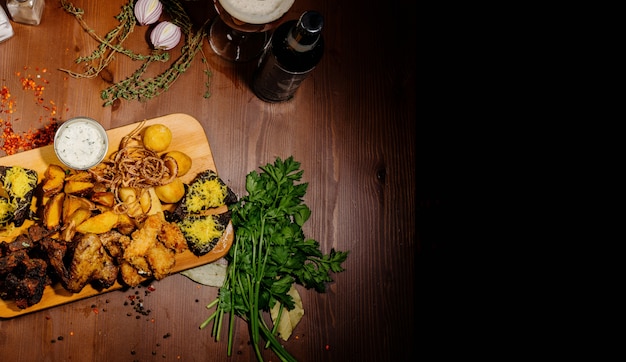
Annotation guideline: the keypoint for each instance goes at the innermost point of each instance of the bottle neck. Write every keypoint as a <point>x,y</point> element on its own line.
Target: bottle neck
<point>306,33</point>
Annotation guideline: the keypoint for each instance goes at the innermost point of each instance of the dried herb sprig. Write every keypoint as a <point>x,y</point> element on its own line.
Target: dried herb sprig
<point>111,44</point>
<point>135,87</point>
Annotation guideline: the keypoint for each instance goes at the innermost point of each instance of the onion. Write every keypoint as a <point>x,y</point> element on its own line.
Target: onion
<point>165,36</point>
<point>148,11</point>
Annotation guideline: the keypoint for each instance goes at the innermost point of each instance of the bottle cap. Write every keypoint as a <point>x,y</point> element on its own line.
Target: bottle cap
<point>311,21</point>
<point>306,33</point>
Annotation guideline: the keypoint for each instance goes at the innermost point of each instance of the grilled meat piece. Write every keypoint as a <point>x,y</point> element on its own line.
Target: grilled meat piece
<point>56,251</point>
<point>21,242</point>
<point>26,282</point>
<point>10,261</point>
<point>36,232</point>
<point>23,271</point>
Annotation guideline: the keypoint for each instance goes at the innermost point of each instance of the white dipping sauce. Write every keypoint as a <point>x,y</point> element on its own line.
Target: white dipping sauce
<point>81,143</point>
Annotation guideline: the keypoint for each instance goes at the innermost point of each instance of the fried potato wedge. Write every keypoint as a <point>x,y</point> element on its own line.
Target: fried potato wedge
<point>53,211</point>
<point>127,194</point>
<point>54,179</point>
<point>129,197</point>
<point>83,176</point>
<point>72,203</point>
<point>125,224</point>
<point>98,224</point>
<point>155,204</point>
<point>80,188</point>
<point>69,227</point>
<point>103,198</point>
<point>145,202</point>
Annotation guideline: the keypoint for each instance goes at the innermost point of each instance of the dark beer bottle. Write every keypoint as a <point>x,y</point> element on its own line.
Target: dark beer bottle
<point>295,49</point>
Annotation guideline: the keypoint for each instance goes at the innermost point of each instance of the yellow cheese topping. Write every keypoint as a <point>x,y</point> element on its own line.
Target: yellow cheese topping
<point>205,194</point>
<point>203,229</point>
<point>6,210</point>
<point>17,183</point>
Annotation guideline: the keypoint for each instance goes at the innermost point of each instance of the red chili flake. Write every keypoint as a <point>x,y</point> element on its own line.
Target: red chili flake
<point>14,142</point>
<point>151,288</point>
<point>95,310</point>
<point>327,347</point>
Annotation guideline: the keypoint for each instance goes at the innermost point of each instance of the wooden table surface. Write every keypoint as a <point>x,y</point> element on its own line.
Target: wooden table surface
<point>352,127</point>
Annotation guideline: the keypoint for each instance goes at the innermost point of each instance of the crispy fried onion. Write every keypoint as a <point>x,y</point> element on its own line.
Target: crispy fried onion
<point>133,165</point>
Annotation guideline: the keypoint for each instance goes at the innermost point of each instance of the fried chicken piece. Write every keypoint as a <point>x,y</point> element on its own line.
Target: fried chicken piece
<point>153,248</point>
<point>161,260</point>
<point>172,237</point>
<point>142,240</point>
<point>130,275</point>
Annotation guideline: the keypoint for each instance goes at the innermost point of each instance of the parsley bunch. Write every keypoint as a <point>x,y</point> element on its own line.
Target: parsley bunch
<point>269,254</point>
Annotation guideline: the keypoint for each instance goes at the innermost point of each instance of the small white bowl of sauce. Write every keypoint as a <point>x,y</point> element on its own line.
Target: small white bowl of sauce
<point>81,143</point>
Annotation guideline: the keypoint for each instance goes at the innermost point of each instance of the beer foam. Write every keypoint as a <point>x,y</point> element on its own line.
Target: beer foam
<point>256,11</point>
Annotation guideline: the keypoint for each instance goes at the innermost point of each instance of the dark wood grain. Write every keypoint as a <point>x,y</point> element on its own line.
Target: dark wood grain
<point>352,125</point>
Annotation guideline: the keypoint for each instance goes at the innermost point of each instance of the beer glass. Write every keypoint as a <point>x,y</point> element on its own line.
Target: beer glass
<point>242,28</point>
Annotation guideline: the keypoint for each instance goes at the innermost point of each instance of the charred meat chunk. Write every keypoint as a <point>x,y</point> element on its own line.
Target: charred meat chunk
<point>26,282</point>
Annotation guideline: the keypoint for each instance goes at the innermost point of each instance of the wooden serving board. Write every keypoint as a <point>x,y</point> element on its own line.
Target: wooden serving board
<point>187,136</point>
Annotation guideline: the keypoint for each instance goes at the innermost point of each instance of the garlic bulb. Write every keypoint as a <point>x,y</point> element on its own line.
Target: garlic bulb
<point>165,36</point>
<point>148,11</point>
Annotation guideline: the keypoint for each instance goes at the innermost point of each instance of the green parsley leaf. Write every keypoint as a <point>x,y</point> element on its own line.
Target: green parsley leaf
<point>270,253</point>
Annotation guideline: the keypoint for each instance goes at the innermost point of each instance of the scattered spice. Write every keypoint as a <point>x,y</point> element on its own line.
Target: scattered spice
<point>14,142</point>
<point>136,302</point>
